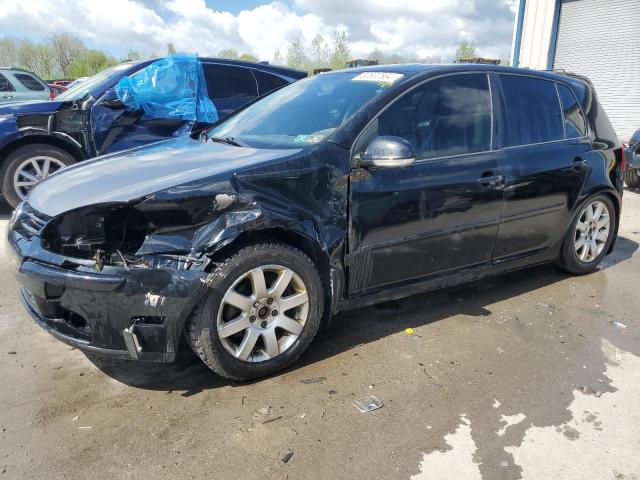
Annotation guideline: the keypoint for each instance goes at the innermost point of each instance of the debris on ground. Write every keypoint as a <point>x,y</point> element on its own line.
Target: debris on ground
<point>618,324</point>
<point>11,352</point>
<point>272,419</point>
<point>287,456</point>
<point>368,404</point>
<point>308,381</point>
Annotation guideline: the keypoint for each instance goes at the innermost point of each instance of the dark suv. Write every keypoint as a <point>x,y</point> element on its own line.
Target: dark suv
<point>38,138</point>
<point>337,191</point>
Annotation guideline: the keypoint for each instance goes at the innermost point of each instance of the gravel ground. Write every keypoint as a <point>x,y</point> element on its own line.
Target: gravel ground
<point>532,375</point>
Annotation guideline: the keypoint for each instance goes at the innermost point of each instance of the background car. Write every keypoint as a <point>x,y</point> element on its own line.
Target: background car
<point>76,82</point>
<point>17,85</point>
<point>632,168</point>
<point>56,90</point>
<point>86,121</point>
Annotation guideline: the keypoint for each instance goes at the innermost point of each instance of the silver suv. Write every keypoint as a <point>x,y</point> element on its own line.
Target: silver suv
<point>17,85</point>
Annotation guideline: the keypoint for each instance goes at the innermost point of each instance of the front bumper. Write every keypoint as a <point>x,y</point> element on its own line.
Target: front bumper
<point>125,312</point>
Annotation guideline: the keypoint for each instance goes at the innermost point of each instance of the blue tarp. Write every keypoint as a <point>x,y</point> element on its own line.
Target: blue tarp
<point>173,87</point>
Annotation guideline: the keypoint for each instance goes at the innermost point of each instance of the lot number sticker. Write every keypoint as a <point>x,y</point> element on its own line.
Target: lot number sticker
<point>383,78</point>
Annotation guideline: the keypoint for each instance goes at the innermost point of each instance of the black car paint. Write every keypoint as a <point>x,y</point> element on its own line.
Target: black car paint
<point>375,233</point>
<point>87,128</point>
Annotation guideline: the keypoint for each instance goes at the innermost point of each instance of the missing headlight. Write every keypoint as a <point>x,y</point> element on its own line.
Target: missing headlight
<point>105,230</point>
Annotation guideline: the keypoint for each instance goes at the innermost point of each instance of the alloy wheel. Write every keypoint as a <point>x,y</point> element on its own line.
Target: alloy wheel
<point>32,171</point>
<point>592,231</point>
<point>263,313</point>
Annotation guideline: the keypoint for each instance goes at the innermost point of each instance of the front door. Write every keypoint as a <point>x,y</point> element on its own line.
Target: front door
<point>440,214</point>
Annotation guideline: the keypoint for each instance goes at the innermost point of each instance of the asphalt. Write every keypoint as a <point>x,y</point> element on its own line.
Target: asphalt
<point>531,375</point>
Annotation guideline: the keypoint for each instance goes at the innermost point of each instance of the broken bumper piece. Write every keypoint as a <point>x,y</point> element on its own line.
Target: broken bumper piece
<point>134,313</point>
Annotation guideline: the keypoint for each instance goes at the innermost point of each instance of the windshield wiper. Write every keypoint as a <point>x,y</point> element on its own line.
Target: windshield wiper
<point>228,141</point>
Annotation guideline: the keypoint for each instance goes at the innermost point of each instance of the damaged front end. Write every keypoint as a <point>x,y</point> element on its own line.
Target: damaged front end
<point>84,281</point>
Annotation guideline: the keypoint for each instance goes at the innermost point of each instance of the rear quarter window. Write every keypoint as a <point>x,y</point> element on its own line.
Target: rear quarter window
<point>225,81</point>
<point>533,113</point>
<point>575,125</point>
<point>29,82</point>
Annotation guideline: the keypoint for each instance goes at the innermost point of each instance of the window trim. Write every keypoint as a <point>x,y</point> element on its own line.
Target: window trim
<point>487,74</point>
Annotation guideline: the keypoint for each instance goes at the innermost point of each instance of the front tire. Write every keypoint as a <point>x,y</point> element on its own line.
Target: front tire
<point>262,309</point>
<point>27,166</point>
<point>589,237</point>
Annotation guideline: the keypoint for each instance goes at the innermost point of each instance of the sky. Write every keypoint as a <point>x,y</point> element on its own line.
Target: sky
<point>411,28</point>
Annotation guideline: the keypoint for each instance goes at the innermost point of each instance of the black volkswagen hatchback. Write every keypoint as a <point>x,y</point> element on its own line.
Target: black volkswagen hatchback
<point>337,191</point>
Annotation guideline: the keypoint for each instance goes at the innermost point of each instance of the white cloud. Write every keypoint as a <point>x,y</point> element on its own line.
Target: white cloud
<point>416,28</point>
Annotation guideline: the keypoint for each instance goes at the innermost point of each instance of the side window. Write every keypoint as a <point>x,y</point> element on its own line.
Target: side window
<point>268,82</point>
<point>29,82</point>
<point>224,81</point>
<point>533,110</point>
<point>575,125</point>
<point>5,85</point>
<point>447,116</point>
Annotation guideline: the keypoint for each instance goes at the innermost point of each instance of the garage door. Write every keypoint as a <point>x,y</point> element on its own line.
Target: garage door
<point>601,39</point>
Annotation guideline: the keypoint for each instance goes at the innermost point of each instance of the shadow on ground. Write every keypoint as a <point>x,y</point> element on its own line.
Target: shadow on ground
<point>352,328</point>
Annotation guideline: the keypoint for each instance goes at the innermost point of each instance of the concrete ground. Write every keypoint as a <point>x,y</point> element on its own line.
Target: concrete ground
<point>533,375</point>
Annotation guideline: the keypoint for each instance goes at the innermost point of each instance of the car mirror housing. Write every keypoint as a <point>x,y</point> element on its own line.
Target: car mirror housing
<point>387,151</point>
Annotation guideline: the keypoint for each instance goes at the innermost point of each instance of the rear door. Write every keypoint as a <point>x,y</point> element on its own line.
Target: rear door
<point>544,163</point>
<point>229,86</point>
<point>440,214</point>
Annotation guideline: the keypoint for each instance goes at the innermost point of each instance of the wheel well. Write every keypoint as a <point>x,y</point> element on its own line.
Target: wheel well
<point>296,240</point>
<point>42,139</point>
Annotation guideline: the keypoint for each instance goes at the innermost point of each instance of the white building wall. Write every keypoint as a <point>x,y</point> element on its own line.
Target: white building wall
<point>536,33</point>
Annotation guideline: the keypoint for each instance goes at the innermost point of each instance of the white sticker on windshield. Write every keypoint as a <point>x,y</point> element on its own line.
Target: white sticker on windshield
<point>383,78</point>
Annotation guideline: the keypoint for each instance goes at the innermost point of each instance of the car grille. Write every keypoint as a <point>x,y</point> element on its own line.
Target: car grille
<point>29,222</point>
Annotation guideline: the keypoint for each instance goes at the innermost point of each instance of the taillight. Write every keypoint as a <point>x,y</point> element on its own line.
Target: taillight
<point>52,94</point>
<point>623,158</point>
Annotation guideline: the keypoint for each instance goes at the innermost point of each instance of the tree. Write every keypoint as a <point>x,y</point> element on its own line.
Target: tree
<point>229,53</point>
<point>296,57</point>
<point>8,52</point>
<point>64,49</point>
<point>170,49</point>
<point>465,50</point>
<point>134,55</point>
<point>247,57</point>
<point>90,62</point>
<point>320,52</point>
<point>44,60</point>
<point>277,58</point>
<point>340,54</point>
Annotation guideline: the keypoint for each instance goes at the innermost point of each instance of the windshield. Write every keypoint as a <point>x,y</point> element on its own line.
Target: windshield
<point>80,90</point>
<point>304,113</point>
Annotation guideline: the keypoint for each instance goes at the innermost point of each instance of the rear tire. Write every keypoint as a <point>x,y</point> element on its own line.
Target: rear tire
<point>264,339</point>
<point>585,244</point>
<point>631,177</point>
<point>27,166</point>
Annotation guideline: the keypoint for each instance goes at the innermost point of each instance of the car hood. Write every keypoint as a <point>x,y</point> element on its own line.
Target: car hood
<point>143,171</point>
<point>26,107</point>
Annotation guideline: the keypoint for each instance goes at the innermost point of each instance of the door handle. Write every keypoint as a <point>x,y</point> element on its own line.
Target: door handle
<point>493,181</point>
<point>7,96</point>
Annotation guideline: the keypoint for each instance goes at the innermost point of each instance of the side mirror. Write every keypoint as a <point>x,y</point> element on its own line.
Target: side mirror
<point>111,100</point>
<point>387,151</point>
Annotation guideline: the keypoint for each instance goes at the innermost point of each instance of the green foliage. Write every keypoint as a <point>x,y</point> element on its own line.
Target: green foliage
<point>170,49</point>
<point>277,57</point>
<point>247,57</point>
<point>340,54</point>
<point>229,53</point>
<point>465,50</point>
<point>296,57</point>
<point>90,62</point>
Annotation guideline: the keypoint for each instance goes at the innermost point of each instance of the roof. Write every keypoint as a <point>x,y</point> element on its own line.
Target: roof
<point>413,69</point>
<point>286,71</point>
